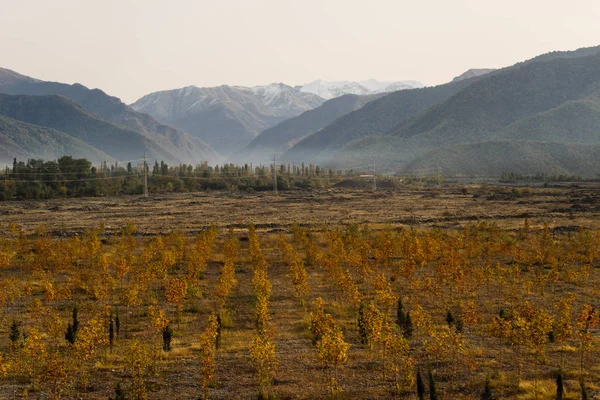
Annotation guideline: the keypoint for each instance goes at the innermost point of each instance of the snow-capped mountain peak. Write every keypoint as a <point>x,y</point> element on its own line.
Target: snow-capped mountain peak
<point>282,96</point>
<point>329,90</point>
<point>228,117</point>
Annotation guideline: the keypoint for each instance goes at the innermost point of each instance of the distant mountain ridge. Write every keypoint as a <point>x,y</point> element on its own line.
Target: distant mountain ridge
<point>375,118</point>
<point>549,103</point>
<point>24,141</point>
<point>472,73</point>
<point>284,135</point>
<point>486,107</point>
<point>227,117</point>
<point>64,115</point>
<point>177,146</point>
<point>10,78</point>
<point>329,90</point>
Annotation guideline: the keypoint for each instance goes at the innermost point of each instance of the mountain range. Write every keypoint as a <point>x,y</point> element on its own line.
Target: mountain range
<point>541,115</point>
<point>63,115</point>
<point>128,133</point>
<point>281,137</point>
<point>181,125</point>
<point>375,118</point>
<point>229,117</point>
<point>329,90</point>
<point>550,102</point>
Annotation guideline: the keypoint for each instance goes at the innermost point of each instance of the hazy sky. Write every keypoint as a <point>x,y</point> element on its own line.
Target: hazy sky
<point>129,48</point>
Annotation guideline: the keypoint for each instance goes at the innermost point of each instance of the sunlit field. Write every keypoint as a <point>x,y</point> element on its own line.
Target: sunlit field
<point>300,308</point>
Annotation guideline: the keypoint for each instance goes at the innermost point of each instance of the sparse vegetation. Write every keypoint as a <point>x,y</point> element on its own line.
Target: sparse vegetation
<point>304,311</point>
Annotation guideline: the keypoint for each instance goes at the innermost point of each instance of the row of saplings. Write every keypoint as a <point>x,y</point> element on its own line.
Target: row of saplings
<point>114,326</point>
<point>487,391</point>
<point>403,320</point>
<point>405,323</point>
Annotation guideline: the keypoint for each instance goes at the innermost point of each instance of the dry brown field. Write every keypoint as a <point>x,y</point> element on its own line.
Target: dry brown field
<point>448,206</point>
<point>461,248</point>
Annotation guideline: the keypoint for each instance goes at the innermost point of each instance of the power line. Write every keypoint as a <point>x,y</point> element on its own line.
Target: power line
<point>145,176</point>
<point>67,180</point>
<point>48,173</point>
<point>221,176</point>
<point>374,178</point>
<point>274,174</point>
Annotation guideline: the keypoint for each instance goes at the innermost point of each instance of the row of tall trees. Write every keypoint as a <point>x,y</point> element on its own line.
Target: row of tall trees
<point>69,177</point>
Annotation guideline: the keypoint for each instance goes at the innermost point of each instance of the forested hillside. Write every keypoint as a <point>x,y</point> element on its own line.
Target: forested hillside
<point>63,115</point>
<point>552,99</point>
<point>375,118</point>
<point>24,141</point>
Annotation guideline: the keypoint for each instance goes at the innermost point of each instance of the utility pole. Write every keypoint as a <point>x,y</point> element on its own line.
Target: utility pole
<point>145,176</point>
<point>274,174</point>
<point>374,178</point>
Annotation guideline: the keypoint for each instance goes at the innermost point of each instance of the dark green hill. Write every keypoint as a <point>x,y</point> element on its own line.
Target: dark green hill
<point>490,159</point>
<point>553,55</point>
<point>23,141</point>
<point>554,100</point>
<point>457,112</point>
<point>63,115</point>
<point>181,146</point>
<point>575,121</point>
<point>375,118</point>
<point>490,104</point>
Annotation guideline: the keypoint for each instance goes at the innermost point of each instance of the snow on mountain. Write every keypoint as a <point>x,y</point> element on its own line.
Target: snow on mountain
<point>227,117</point>
<point>330,90</point>
<point>351,88</point>
<point>375,85</point>
<point>279,96</point>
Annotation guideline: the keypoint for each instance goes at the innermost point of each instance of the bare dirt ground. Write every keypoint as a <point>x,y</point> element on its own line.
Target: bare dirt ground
<point>449,206</point>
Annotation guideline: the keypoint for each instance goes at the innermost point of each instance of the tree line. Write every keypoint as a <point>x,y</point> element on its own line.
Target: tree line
<point>71,177</point>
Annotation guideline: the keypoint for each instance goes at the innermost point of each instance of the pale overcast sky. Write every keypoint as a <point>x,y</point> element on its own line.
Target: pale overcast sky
<point>129,48</point>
